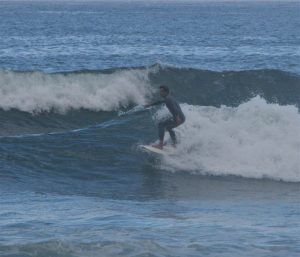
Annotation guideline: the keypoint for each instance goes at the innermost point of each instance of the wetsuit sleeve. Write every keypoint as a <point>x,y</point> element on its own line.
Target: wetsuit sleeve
<point>157,103</point>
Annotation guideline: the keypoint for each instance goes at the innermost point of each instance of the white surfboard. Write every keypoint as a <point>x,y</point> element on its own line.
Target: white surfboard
<point>166,150</point>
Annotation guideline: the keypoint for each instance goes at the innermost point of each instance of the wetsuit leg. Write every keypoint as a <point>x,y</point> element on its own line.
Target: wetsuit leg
<point>161,130</point>
<point>172,124</point>
<point>167,125</point>
<point>173,136</point>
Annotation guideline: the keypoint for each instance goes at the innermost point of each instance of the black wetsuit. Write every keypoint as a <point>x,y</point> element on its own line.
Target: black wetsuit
<point>174,108</point>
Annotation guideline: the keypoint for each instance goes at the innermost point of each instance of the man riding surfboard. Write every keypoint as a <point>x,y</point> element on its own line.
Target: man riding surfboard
<point>177,119</point>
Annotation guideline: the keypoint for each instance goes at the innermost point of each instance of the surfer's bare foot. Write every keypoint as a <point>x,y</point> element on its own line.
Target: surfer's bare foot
<point>158,146</point>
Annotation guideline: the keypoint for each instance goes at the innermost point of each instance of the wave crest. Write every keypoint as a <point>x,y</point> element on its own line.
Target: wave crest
<point>111,90</point>
<point>37,92</point>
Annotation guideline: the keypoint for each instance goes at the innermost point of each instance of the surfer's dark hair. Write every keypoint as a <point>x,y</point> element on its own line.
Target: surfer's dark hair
<point>165,88</point>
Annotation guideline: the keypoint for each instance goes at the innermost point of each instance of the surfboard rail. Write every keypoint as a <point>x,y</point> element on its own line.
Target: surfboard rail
<point>165,151</point>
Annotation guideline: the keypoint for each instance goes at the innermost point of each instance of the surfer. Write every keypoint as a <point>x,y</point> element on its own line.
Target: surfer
<point>177,119</point>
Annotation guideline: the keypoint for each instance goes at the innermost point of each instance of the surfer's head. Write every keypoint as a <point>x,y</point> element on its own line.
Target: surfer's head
<point>163,91</point>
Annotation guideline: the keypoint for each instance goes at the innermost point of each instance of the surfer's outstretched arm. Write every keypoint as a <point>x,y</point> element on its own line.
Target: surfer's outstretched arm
<point>153,104</point>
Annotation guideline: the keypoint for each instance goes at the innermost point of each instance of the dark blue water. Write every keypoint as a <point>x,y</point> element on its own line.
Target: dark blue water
<point>55,36</point>
<point>73,80</point>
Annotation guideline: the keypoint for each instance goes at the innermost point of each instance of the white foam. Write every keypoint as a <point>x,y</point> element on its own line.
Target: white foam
<point>254,140</point>
<point>36,92</point>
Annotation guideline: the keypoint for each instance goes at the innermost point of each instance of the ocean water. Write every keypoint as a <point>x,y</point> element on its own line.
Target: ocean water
<point>74,76</point>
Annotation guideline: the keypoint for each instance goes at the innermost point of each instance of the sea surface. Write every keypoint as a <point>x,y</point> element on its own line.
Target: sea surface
<point>74,76</point>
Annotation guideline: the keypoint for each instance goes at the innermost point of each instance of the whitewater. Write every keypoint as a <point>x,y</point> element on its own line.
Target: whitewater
<point>254,140</point>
